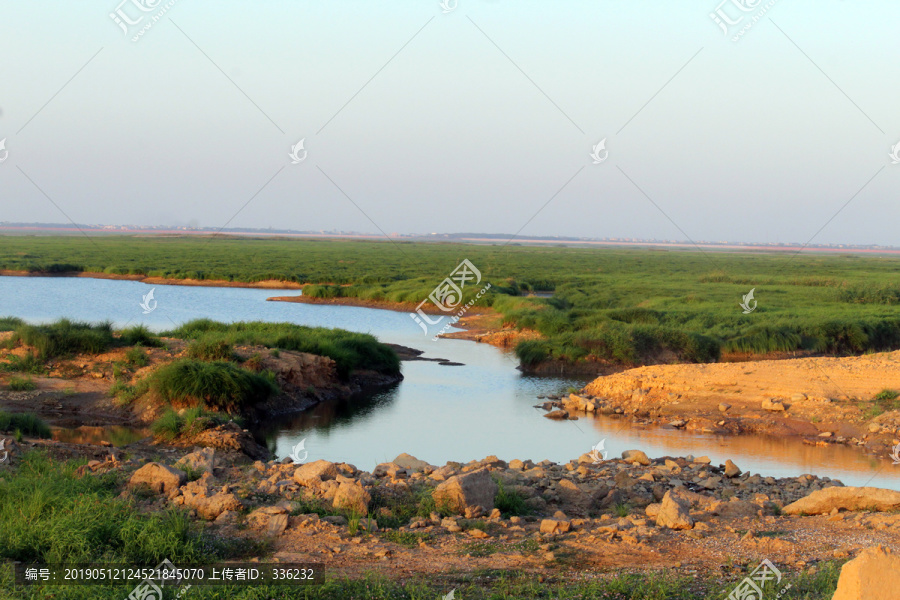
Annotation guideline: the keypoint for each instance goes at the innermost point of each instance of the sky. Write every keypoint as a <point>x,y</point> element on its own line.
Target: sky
<point>482,118</point>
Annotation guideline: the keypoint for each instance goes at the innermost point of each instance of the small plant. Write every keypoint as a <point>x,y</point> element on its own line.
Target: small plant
<point>511,503</point>
<point>21,384</point>
<point>886,395</point>
<point>275,353</point>
<point>622,509</point>
<point>28,363</point>
<point>254,363</point>
<point>137,356</point>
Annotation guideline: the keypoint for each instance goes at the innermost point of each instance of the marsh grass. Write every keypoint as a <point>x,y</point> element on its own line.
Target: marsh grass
<point>191,421</point>
<point>216,386</point>
<point>24,423</point>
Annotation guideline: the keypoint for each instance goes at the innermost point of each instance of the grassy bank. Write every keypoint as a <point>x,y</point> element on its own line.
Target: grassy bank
<point>621,306</point>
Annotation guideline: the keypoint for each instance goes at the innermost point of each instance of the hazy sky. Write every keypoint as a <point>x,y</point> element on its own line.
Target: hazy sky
<point>469,120</point>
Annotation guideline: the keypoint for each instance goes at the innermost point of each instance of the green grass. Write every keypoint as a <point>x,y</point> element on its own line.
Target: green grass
<point>510,503</point>
<point>190,421</point>
<point>210,349</point>
<point>21,384</point>
<point>28,363</point>
<point>216,386</point>
<point>407,539</point>
<point>139,335</point>
<point>65,338</point>
<point>137,356</point>
<point>621,306</point>
<point>24,423</point>
<point>350,351</point>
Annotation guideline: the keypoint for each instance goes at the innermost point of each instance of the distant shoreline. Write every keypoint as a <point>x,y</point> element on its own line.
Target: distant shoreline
<point>272,284</point>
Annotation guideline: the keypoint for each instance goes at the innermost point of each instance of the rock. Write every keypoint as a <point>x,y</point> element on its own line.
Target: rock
<point>557,414</point>
<point>314,473</point>
<point>158,477</point>
<point>637,456</point>
<point>652,510</point>
<point>873,575</point>
<point>277,524</point>
<point>723,407</point>
<point>703,460</point>
<point>678,423</point>
<point>209,504</point>
<point>553,526</point>
<point>201,460</point>
<point>478,534</point>
<point>675,511</point>
<point>772,404</point>
<point>393,471</point>
<point>731,469</point>
<point>353,497</point>
<point>412,463</point>
<point>476,488</point>
<point>798,397</point>
<point>874,427</point>
<point>228,517</point>
<point>846,498</point>
<point>335,520</point>
<point>516,465</point>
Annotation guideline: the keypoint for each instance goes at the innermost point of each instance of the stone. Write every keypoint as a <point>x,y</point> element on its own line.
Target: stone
<point>637,456</point>
<point>478,534</point>
<point>798,397</point>
<point>201,460</point>
<point>873,575</point>
<point>846,498</point>
<point>476,488</point>
<point>314,473</point>
<point>160,478</point>
<point>557,414</point>
<point>874,427</point>
<point>554,526</point>
<point>773,405</point>
<point>731,469</point>
<point>675,511</point>
<point>412,463</point>
<point>277,524</point>
<point>723,407</point>
<point>209,504</point>
<point>353,497</point>
<point>516,465</point>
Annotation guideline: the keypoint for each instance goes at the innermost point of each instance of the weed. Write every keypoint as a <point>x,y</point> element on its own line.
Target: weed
<point>21,384</point>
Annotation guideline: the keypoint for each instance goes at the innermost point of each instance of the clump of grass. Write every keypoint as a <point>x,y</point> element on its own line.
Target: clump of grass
<point>21,384</point>
<point>28,363</point>
<point>139,335</point>
<point>622,509</point>
<point>137,356</point>
<point>210,349</point>
<point>189,422</point>
<point>511,503</point>
<point>65,338</point>
<point>218,386</point>
<point>10,323</point>
<point>886,395</point>
<point>25,423</point>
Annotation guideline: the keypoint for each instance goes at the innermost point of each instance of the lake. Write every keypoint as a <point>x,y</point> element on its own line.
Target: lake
<point>438,413</point>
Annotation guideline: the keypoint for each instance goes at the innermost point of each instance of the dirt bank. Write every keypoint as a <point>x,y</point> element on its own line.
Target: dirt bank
<point>267,284</point>
<point>825,400</point>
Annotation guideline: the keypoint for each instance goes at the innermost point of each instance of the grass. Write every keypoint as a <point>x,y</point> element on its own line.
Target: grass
<point>139,335</point>
<point>210,349</point>
<point>510,502</point>
<point>217,386</point>
<point>65,338</point>
<point>21,384</point>
<point>191,421</point>
<point>407,539</point>
<point>24,423</point>
<point>350,351</point>
<point>622,306</point>
<point>137,356</point>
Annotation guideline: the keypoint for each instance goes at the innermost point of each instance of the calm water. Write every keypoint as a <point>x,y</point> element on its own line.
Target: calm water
<point>438,413</point>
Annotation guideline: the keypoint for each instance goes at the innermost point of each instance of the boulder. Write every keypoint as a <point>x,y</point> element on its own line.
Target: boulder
<point>675,511</point>
<point>314,473</point>
<point>846,498</point>
<point>201,460</point>
<point>772,404</point>
<point>158,477</point>
<point>277,524</point>
<point>557,414</point>
<point>209,503</point>
<point>636,456</point>
<point>412,463</point>
<point>724,406</point>
<point>353,497</point>
<point>470,489</point>
<point>552,526</point>
<point>873,575</point>
<point>731,469</point>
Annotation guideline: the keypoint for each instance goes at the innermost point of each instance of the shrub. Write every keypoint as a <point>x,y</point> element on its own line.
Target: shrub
<point>212,385</point>
<point>137,356</point>
<point>65,338</point>
<point>21,384</point>
<point>886,395</point>
<point>26,423</point>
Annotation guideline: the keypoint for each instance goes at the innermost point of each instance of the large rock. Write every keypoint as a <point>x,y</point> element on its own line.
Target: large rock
<point>314,473</point>
<point>200,461</point>
<point>636,456</point>
<point>675,511</point>
<point>158,477</point>
<point>412,463</point>
<point>773,405</point>
<point>873,575</point>
<point>731,469</point>
<point>353,497</point>
<point>467,490</point>
<point>209,504</point>
<point>846,498</point>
